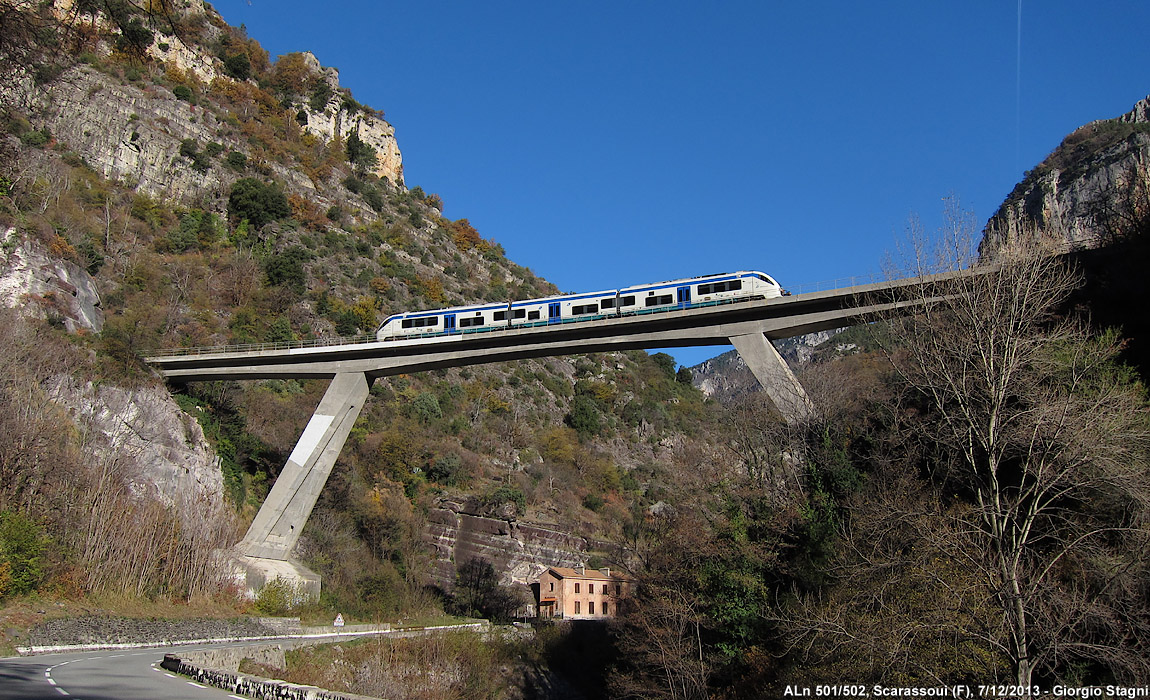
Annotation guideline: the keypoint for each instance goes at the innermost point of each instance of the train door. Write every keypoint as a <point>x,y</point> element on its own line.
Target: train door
<point>553,313</point>
<point>684,296</point>
<point>449,323</point>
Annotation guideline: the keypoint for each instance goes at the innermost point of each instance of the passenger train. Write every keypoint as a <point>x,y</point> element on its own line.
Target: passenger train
<point>640,299</point>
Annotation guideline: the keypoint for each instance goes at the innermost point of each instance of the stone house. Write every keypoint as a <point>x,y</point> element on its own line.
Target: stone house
<point>580,594</point>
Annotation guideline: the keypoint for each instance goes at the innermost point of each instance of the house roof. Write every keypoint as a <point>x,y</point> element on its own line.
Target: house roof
<point>592,574</point>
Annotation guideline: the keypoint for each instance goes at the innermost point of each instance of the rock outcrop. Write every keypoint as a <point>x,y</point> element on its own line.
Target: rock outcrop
<point>1072,192</point>
<point>42,286</point>
<point>518,551</point>
<point>161,449</point>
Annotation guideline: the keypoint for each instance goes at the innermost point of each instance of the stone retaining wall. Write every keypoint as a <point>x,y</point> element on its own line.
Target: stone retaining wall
<point>262,688</point>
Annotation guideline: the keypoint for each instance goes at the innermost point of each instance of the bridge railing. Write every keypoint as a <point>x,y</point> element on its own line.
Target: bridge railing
<point>261,347</point>
<point>837,283</point>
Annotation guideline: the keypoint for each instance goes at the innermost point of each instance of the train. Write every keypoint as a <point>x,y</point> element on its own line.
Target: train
<point>639,299</point>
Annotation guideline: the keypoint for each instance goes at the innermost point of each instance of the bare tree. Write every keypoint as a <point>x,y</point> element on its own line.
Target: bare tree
<point>1028,415</point>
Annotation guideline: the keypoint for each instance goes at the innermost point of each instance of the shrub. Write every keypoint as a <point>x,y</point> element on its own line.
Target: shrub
<point>446,470</point>
<point>359,154</point>
<point>35,138</point>
<point>256,201</point>
<point>183,92</point>
<point>285,269</point>
<point>320,96</point>
<point>238,66</point>
<point>593,502</point>
<point>280,597</point>
<point>21,547</point>
<point>236,161</point>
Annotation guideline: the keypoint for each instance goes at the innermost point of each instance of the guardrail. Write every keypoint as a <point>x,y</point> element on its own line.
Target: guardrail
<point>838,283</point>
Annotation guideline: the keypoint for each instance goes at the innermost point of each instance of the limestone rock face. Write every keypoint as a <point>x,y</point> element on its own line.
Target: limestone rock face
<point>1068,199</point>
<point>159,449</point>
<point>335,121</point>
<point>42,286</point>
<point>518,551</point>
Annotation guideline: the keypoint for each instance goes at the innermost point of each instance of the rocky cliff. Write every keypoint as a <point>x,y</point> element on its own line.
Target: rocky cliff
<point>137,131</point>
<point>45,286</point>
<point>1073,191</point>
<point>158,449</point>
<point>519,551</point>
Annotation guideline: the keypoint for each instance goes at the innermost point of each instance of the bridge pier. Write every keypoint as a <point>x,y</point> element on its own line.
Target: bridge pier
<point>775,376</point>
<point>265,549</point>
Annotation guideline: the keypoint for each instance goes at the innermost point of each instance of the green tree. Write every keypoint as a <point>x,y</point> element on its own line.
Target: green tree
<point>257,202</point>
<point>360,154</point>
<point>21,551</point>
<point>238,66</point>
<point>285,269</point>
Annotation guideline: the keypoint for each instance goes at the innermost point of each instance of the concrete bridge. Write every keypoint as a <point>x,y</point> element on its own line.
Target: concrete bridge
<point>353,366</point>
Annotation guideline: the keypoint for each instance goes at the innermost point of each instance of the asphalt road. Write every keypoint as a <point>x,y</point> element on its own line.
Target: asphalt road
<point>133,674</point>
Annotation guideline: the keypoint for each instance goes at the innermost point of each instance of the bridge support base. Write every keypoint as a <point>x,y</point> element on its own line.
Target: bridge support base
<point>777,379</point>
<point>280,520</point>
<point>251,574</point>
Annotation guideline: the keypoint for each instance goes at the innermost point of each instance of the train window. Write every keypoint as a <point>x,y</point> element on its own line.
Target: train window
<point>499,316</point>
<point>627,301</point>
<point>518,313</point>
<point>716,287</point>
<point>473,321</point>
<point>533,316</point>
<point>608,303</point>
<point>407,323</point>
<point>659,300</point>
<point>581,309</point>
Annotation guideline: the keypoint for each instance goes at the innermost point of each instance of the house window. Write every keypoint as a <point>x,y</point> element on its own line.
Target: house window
<point>591,607</point>
<point>605,608</point>
<point>576,607</point>
<point>576,589</point>
<point>552,584</point>
<point>617,587</point>
<point>604,589</point>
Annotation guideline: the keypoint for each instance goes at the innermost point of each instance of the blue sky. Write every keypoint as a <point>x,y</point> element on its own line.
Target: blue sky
<point>611,143</point>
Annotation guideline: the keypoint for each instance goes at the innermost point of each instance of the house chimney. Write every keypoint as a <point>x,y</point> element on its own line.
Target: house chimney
<point>582,571</point>
<point>606,572</point>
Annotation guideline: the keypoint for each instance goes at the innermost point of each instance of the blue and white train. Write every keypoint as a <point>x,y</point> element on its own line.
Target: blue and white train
<point>640,299</point>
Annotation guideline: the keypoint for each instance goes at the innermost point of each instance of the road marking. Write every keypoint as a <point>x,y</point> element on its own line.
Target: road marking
<point>237,697</point>
<point>52,681</point>
<point>197,684</point>
<point>48,672</point>
<point>169,675</point>
<point>62,691</point>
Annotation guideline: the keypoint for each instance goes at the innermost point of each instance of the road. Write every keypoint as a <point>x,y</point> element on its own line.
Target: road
<point>133,674</point>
